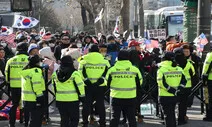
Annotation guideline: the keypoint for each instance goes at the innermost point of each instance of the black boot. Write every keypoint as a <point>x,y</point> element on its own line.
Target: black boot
<point>208,119</point>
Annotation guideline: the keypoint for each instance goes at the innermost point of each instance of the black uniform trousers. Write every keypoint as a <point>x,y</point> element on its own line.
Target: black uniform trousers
<point>128,106</point>
<point>94,94</point>
<point>69,113</point>
<point>209,109</point>
<point>35,113</point>
<point>183,104</point>
<point>16,97</point>
<point>168,106</point>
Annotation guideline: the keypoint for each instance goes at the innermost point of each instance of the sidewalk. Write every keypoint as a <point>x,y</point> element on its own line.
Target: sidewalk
<point>195,119</point>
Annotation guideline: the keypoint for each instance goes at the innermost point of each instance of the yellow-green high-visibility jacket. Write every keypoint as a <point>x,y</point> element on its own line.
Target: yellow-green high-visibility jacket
<point>189,67</point>
<point>95,65</point>
<point>33,84</point>
<point>122,80</point>
<point>207,70</point>
<point>13,67</point>
<point>172,77</point>
<point>66,91</point>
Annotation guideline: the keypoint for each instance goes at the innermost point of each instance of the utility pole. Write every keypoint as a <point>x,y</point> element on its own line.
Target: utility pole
<point>204,21</point>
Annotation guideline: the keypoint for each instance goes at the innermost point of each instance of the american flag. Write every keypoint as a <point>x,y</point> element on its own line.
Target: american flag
<point>203,39</point>
<point>9,39</point>
<point>151,44</point>
<point>200,48</point>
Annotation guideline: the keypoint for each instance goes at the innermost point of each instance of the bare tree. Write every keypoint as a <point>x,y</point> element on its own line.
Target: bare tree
<point>93,7</point>
<point>84,16</point>
<point>49,18</point>
<point>125,13</point>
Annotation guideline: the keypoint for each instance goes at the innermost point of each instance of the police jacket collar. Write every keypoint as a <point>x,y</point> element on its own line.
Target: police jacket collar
<point>21,53</point>
<point>93,58</point>
<point>123,64</point>
<point>165,63</point>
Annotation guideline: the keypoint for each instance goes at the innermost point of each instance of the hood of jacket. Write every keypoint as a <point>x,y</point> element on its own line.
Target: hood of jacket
<point>93,58</point>
<point>165,63</point>
<point>64,73</point>
<point>123,64</point>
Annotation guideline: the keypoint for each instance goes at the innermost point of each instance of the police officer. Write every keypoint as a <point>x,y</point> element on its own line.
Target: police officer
<point>123,79</point>
<point>93,68</point>
<point>171,80</point>
<point>13,66</point>
<point>189,72</point>
<point>207,78</point>
<point>33,87</point>
<point>69,89</point>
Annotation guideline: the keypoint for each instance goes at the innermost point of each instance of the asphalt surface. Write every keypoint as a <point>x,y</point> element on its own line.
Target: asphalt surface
<point>194,114</point>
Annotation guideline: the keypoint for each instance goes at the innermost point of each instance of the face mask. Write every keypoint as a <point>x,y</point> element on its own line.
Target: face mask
<point>45,45</point>
<point>4,44</point>
<point>79,45</point>
<point>51,45</point>
<point>41,64</point>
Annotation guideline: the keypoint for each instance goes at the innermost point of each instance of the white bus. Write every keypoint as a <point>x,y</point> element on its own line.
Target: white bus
<point>169,18</point>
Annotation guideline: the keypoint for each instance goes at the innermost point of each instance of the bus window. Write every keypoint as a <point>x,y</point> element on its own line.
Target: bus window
<point>175,24</point>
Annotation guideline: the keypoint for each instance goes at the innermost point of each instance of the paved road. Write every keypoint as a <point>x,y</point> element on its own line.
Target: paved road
<point>195,119</point>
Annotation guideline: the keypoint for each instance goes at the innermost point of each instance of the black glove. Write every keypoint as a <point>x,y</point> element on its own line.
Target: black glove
<point>180,88</point>
<point>40,101</point>
<point>177,92</point>
<point>88,82</point>
<point>172,90</point>
<point>100,81</point>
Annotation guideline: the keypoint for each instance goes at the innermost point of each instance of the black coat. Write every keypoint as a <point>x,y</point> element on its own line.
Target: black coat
<point>58,49</point>
<point>2,66</point>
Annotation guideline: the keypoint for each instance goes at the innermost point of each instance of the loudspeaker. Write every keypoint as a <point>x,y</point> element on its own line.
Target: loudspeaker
<point>21,5</point>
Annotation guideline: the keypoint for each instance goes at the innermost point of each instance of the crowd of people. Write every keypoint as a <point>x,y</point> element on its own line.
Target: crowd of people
<point>83,67</point>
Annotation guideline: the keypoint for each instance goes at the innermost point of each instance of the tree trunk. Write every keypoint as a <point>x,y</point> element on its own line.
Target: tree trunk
<point>125,14</point>
<point>84,16</point>
<point>97,6</point>
<point>93,7</point>
<point>91,18</point>
<point>141,17</point>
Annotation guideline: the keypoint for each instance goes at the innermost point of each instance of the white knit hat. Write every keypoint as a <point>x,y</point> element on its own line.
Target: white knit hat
<point>46,52</point>
<point>31,47</point>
